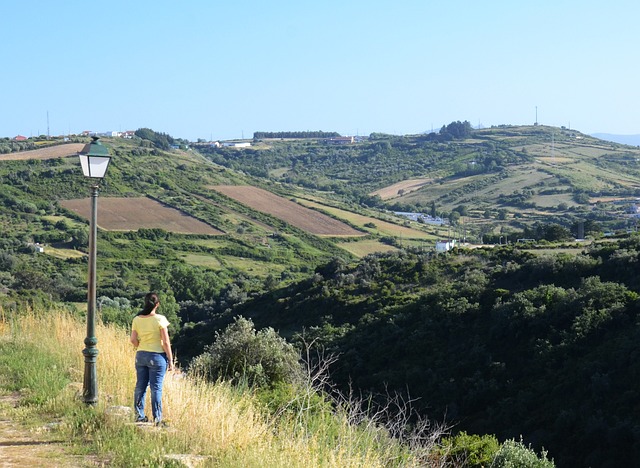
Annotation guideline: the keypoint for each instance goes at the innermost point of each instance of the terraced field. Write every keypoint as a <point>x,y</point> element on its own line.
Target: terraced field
<point>130,214</point>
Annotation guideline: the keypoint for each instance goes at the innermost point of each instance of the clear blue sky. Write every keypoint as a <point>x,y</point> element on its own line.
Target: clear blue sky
<point>224,69</point>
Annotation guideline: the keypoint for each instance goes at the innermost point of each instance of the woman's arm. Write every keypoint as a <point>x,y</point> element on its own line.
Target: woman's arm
<point>166,345</point>
<point>134,338</point>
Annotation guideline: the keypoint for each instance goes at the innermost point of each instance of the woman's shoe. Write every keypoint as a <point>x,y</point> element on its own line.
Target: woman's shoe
<point>142,420</point>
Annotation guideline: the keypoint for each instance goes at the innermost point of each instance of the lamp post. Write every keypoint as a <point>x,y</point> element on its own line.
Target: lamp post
<point>94,159</point>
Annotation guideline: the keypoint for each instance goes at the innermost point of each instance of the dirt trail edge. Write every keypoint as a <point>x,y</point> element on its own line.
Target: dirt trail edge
<point>24,447</point>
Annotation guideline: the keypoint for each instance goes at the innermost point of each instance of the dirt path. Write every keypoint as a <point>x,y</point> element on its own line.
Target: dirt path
<point>23,447</point>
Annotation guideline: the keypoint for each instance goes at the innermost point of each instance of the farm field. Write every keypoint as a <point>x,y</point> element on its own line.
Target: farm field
<point>63,253</point>
<point>405,186</point>
<point>365,247</point>
<point>206,261</point>
<point>130,214</point>
<point>293,213</point>
<point>51,152</point>
<point>383,227</point>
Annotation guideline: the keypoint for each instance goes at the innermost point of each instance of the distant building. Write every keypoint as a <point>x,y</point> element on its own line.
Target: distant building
<point>37,247</point>
<point>236,144</point>
<point>445,245</point>
<point>421,217</point>
<point>348,140</point>
<point>20,138</point>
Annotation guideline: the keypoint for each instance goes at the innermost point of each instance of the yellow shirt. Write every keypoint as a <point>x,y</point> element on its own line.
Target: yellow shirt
<point>148,330</point>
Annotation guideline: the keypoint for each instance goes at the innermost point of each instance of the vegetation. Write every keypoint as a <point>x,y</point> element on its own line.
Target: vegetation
<point>499,341</point>
<point>261,359</point>
<point>508,177</point>
<point>227,425</point>
<point>534,337</point>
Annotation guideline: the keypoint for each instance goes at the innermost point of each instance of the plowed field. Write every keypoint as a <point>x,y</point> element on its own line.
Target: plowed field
<point>130,214</point>
<point>51,152</point>
<point>304,218</point>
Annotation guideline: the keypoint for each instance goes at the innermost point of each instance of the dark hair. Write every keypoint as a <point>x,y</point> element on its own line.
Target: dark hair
<point>150,301</point>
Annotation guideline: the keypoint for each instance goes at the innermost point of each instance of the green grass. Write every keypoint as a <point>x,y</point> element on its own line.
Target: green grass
<point>25,368</point>
<point>254,267</point>
<point>206,261</point>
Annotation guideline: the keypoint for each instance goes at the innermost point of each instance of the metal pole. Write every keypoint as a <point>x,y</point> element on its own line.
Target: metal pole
<point>90,352</point>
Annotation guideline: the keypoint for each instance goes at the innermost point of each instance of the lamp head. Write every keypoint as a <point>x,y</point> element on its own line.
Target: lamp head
<point>94,159</point>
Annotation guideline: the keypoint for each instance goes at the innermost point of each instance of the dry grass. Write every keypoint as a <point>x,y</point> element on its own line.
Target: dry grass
<point>366,247</point>
<point>399,188</point>
<point>211,420</point>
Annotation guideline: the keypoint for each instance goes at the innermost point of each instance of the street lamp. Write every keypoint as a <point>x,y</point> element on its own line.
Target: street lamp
<point>94,159</point>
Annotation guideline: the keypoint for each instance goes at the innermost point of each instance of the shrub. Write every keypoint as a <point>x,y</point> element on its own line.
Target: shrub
<point>242,354</point>
<point>514,454</point>
<point>472,451</point>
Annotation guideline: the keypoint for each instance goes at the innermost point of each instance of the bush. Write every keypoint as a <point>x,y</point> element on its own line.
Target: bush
<point>242,354</point>
<point>514,454</point>
<point>471,451</point>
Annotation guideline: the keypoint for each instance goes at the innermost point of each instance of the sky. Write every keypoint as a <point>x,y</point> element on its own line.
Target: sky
<point>222,70</point>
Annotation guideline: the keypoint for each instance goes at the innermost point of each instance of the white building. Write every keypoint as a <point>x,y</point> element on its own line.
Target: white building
<point>445,245</point>
<point>236,144</point>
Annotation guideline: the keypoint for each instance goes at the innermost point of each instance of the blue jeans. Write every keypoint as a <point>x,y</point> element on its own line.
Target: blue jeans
<point>150,371</point>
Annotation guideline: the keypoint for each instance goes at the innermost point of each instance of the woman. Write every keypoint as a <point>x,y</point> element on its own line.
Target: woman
<point>150,335</point>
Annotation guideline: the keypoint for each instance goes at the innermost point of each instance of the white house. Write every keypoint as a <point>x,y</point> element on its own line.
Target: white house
<point>445,245</point>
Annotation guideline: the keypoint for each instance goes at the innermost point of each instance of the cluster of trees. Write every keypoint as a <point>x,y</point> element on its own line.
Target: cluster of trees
<point>453,131</point>
<point>499,341</point>
<point>11,146</point>
<point>162,141</point>
<point>307,134</point>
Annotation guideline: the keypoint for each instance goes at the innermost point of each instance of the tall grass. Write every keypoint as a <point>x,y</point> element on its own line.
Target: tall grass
<point>42,355</point>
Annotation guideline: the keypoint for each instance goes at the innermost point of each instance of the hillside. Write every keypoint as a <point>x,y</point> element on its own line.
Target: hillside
<point>162,214</point>
<point>302,236</point>
<point>499,179</point>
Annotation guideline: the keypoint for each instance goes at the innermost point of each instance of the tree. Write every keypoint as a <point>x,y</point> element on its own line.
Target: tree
<point>462,209</point>
<point>454,217</point>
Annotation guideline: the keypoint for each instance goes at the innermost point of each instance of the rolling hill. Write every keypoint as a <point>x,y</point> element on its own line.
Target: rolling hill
<point>508,340</point>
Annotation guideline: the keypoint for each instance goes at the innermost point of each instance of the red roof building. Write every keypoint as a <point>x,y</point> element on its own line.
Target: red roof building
<point>20,138</point>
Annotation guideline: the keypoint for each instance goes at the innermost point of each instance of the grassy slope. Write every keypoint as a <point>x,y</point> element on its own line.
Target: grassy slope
<point>563,160</point>
<point>226,426</point>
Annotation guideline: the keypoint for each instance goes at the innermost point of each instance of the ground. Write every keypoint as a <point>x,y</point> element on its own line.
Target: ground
<point>21,446</point>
